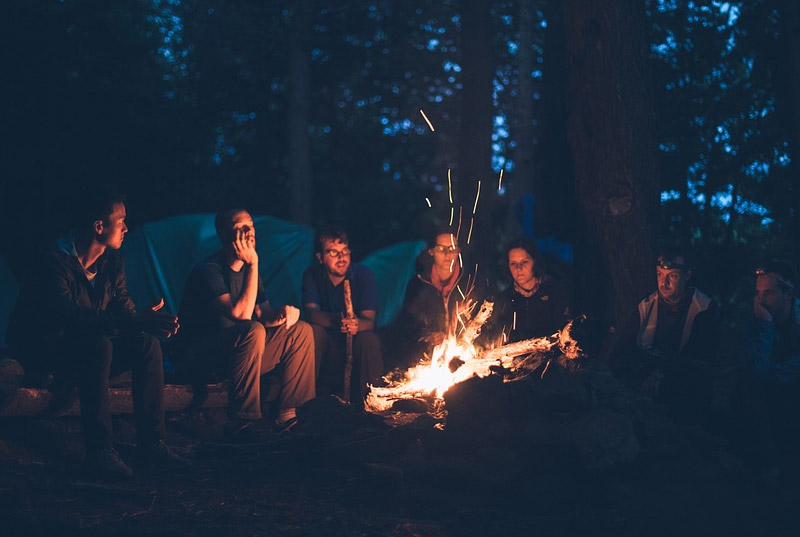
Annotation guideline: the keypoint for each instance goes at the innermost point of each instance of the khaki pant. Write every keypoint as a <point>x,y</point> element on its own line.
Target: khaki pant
<point>246,351</point>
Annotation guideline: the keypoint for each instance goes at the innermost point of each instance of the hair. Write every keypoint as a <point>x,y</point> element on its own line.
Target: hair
<point>532,250</point>
<point>671,253</point>
<point>223,218</point>
<point>97,205</point>
<point>444,230</point>
<point>332,232</point>
<point>785,270</point>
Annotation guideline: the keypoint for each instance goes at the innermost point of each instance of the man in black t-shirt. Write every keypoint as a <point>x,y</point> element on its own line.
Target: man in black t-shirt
<point>229,330</point>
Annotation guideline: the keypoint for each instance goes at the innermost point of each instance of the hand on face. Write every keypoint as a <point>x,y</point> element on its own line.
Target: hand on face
<point>244,245</point>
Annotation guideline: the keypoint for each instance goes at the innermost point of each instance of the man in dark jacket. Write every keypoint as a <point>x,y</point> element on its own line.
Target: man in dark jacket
<point>665,351</point>
<point>75,319</point>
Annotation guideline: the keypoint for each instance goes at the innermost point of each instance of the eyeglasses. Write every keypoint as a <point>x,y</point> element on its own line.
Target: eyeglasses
<point>336,254</point>
<point>445,249</point>
<point>775,276</point>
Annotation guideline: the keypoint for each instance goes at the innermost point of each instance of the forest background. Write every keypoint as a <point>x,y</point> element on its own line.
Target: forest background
<point>623,124</point>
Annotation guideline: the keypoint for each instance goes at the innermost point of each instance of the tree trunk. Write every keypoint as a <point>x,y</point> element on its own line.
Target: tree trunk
<point>299,116</point>
<point>522,180</point>
<point>475,136</point>
<point>611,128</point>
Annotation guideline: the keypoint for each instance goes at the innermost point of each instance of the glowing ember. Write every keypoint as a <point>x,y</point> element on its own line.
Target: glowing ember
<point>428,201</point>
<point>500,182</point>
<point>428,121</point>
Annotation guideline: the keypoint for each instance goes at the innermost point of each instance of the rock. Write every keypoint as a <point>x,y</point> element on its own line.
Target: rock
<point>411,405</point>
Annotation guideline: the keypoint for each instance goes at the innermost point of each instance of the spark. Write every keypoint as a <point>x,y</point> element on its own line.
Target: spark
<point>449,186</point>
<point>476,271</point>
<point>428,201</point>
<point>452,212</point>
<point>458,316</point>
<point>451,264</point>
<point>461,292</point>
<point>460,261</point>
<point>458,229</point>
<point>500,181</point>
<point>469,235</point>
<point>452,241</point>
<point>505,338</point>
<point>514,325</point>
<point>428,121</point>
<point>478,195</point>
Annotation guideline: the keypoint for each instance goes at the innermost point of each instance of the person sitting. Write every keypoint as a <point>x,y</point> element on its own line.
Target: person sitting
<point>665,351</point>
<point>534,305</point>
<point>771,357</point>
<point>324,308</point>
<point>439,292</point>
<point>75,319</point>
<point>231,331</point>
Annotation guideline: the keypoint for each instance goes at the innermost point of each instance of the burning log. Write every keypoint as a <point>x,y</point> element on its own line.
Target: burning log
<point>473,329</point>
<point>506,353</point>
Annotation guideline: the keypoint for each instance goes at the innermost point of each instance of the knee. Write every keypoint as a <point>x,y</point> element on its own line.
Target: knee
<point>253,334</point>
<point>100,348</point>
<point>367,341</point>
<point>303,332</point>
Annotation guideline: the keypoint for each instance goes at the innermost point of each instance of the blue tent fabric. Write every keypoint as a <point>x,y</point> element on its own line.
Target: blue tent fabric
<point>160,256</point>
<point>393,267</point>
<point>8,296</point>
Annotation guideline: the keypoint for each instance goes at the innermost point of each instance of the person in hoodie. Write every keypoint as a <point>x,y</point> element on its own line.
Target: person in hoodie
<point>74,319</point>
<point>665,350</point>
<point>440,291</point>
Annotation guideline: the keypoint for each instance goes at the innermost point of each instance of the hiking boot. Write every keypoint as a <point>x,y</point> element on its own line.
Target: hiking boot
<point>242,432</point>
<point>107,464</point>
<point>160,455</point>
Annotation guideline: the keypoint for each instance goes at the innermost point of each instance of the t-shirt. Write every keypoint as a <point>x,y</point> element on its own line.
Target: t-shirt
<point>209,279</point>
<point>318,289</point>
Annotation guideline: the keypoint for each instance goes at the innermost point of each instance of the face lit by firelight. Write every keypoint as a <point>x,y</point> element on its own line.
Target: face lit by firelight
<point>444,253</point>
<point>521,266</point>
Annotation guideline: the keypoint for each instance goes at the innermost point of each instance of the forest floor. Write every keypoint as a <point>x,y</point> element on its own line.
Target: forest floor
<point>369,475</point>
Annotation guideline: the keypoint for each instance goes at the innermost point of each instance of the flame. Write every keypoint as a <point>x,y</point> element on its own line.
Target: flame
<point>451,362</point>
<point>456,359</point>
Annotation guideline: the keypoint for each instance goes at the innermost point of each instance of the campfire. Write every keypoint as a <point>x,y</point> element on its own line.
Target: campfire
<point>456,359</point>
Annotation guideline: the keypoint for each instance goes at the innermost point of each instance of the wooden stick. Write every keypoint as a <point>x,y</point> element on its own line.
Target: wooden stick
<point>348,365</point>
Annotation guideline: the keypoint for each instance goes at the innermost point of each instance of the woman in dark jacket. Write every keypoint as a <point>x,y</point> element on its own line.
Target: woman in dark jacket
<point>534,305</point>
<point>439,290</point>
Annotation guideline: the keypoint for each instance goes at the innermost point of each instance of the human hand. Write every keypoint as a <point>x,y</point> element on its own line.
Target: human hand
<point>760,311</point>
<point>651,384</point>
<point>349,325</point>
<point>153,321</point>
<point>244,246</point>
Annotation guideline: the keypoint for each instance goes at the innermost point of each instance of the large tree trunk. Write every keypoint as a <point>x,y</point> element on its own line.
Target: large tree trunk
<point>522,180</point>
<point>611,126</point>
<point>475,136</point>
<point>299,115</point>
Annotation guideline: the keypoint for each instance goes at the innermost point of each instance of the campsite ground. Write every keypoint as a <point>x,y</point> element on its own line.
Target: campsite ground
<point>359,476</point>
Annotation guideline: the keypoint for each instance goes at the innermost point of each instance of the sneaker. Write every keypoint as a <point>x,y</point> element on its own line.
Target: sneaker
<point>284,426</point>
<point>160,455</point>
<point>108,464</point>
<point>242,432</point>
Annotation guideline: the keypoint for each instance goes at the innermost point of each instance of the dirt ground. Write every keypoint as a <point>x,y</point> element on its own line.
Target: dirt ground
<point>368,475</point>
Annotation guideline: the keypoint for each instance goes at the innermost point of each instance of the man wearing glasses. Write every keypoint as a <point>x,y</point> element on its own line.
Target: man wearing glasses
<point>324,307</point>
<point>229,330</point>
<point>666,350</point>
<point>771,355</point>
